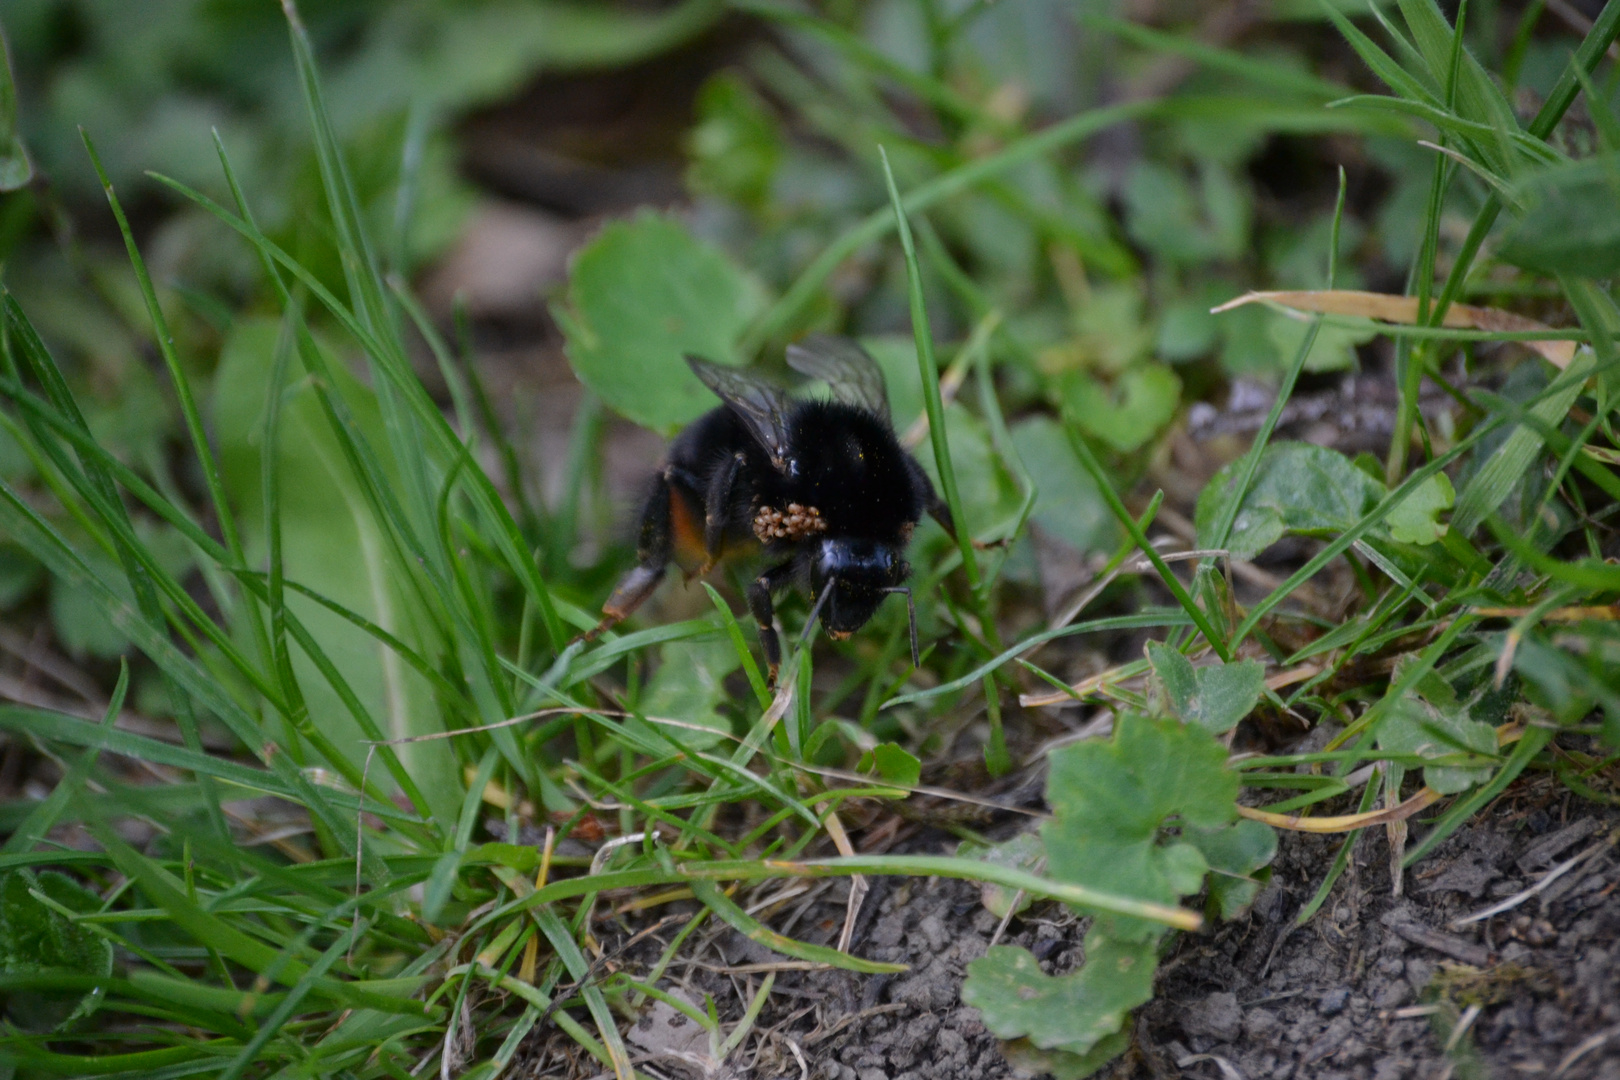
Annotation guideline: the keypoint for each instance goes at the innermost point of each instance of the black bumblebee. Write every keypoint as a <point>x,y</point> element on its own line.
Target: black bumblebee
<point>824,487</point>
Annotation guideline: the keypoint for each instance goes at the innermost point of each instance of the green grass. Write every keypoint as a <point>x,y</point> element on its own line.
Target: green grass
<point>379,626</point>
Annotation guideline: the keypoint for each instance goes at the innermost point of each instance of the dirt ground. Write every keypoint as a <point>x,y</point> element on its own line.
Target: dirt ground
<point>1374,986</point>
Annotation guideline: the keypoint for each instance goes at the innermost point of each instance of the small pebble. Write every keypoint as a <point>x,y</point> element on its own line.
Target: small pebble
<point>1333,1002</point>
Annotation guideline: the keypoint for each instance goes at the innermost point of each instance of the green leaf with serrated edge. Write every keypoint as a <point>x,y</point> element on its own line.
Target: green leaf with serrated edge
<point>1235,855</point>
<point>1417,519</point>
<point>1297,488</point>
<point>36,938</point>
<point>1071,1012</point>
<point>1111,799</point>
<point>641,295</point>
<point>1215,697</point>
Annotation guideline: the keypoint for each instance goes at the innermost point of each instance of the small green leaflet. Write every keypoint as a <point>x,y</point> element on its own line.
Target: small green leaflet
<point>1234,855</point>
<point>1215,697</point>
<point>1127,414</point>
<point>1417,519</point>
<point>1023,852</point>
<point>893,763</point>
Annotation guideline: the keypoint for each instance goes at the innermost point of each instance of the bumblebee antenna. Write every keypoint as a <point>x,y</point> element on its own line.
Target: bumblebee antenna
<point>911,616</point>
<point>810,623</point>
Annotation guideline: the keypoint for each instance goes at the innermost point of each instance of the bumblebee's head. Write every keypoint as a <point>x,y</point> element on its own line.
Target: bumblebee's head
<point>862,573</point>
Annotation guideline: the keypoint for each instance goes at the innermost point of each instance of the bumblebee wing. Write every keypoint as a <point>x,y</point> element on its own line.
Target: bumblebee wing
<point>848,369</point>
<point>761,405</point>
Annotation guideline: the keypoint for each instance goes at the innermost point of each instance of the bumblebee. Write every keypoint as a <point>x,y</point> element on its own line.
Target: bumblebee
<point>822,486</point>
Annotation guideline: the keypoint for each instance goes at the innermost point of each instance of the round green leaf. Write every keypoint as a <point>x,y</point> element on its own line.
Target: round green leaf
<point>640,296</point>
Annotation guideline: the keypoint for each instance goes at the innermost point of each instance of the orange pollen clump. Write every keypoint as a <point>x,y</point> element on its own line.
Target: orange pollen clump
<point>794,523</point>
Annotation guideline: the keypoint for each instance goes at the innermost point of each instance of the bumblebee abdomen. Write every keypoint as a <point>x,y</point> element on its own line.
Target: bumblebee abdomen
<point>853,470</point>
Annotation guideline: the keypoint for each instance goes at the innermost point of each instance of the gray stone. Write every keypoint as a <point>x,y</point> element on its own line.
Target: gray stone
<point>1333,1002</point>
<point>1218,1015</point>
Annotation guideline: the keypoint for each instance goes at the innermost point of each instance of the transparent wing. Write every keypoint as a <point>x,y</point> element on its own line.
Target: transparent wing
<point>759,404</point>
<point>844,366</point>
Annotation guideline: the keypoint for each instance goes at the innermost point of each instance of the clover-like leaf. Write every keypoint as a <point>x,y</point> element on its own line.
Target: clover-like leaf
<point>1298,488</point>
<point>1145,814</point>
<point>1067,502</point>
<point>1417,519</point>
<point>688,688</point>
<point>37,939</point>
<point>1214,697</point>
<point>1071,1012</point>
<point>641,295</point>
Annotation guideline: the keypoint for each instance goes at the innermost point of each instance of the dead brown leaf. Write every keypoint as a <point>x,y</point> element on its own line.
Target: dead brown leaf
<point>1403,310</point>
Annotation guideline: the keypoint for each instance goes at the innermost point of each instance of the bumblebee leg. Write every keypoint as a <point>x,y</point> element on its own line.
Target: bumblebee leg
<point>653,548</point>
<point>716,501</point>
<point>764,612</point>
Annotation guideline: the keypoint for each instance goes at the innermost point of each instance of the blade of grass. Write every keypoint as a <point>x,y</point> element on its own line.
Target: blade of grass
<point>47,545</point>
<point>1285,390</point>
<point>749,927</point>
<point>900,865</point>
<point>1590,53</point>
<point>574,960</point>
<point>98,488</point>
<point>189,412</point>
<point>56,727</point>
<point>932,403</point>
<point>272,1025</point>
<point>1141,620</point>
